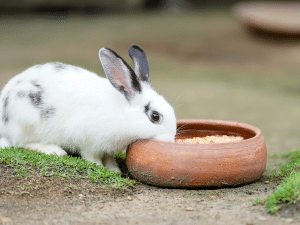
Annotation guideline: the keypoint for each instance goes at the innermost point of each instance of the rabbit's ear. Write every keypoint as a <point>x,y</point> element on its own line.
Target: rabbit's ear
<point>140,62</point>
<point>119,73</point>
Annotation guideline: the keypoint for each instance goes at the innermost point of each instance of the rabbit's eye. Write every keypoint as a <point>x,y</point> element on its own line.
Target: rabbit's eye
<point>155,117</point>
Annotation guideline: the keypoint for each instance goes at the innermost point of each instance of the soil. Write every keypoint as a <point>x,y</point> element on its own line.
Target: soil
<point>46,200</point>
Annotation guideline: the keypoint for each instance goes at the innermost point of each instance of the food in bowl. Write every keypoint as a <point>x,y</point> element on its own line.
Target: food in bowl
<point>210,139</point>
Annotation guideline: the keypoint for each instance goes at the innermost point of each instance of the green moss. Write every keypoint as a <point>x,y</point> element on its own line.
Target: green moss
<point>26,163</point>
<point>288,191</point>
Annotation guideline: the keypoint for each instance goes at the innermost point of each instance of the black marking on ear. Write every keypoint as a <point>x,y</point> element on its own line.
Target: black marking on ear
<point>48,112</point>
<point>5,114</point>
<point>59,66</point>
<point>123,91</point>
<point>135,82</point>
<point>134,79</point>
<point>140,61</point>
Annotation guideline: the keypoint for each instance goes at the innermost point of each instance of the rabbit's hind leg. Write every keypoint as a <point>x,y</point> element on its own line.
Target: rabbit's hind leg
<point>46,148</point>
<point>4,143</point>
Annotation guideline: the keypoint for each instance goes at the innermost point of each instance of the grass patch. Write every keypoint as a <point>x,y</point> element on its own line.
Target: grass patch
<point>121,155</point>
<point>288,191</point>
<point>285,193</point>
<point>27,163</point>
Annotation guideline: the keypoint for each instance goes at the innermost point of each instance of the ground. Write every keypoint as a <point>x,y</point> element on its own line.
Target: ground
<point>215,70</point>
<point>42,200</point>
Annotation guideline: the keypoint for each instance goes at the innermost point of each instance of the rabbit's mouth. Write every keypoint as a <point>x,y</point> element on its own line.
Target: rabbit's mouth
<point>165,137</point>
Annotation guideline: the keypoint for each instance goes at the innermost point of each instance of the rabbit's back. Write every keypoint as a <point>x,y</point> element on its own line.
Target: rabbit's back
<point>47,103</point>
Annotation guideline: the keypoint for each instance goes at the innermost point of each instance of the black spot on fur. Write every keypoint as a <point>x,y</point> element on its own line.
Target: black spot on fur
<point>36,96</point>
<point>21,94</point>
<point>35,84</point>
<point>5,114</point>
<point>59,66</point>
<point>48,112</point>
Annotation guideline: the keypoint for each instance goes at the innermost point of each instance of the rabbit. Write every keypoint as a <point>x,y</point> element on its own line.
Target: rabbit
<point>62,109</point>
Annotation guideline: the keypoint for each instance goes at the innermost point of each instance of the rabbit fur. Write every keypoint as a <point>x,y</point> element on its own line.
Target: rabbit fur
<point>56,108</point>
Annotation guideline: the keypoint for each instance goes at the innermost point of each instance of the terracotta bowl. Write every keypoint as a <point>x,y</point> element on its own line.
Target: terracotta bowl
<point>171,164</point>
<point>277,19</point>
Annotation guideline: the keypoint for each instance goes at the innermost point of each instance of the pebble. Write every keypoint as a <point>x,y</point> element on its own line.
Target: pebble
<point>289,220</point>
<point>262,218</point>
<point>80,195</point>
<point>190,209</point>
<point>11,192</point>
<point>6,220</point>
<point>266,182</point>
<point>129,198</point>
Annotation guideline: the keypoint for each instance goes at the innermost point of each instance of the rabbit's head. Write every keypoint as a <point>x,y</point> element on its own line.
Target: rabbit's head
<point>148,114</point>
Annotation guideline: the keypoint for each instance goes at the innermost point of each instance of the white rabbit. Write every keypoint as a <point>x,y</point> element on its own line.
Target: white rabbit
<point>58,109</point>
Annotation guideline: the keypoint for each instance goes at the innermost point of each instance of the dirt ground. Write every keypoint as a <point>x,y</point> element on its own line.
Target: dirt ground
<point>44,200</point>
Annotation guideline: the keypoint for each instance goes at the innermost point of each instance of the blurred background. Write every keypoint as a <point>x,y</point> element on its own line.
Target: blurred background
<point>204,57</point>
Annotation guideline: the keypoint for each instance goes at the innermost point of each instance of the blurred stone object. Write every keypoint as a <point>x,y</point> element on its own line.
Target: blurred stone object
<point>31,5</point>
<point>277,20</point>
<point>177,5</point>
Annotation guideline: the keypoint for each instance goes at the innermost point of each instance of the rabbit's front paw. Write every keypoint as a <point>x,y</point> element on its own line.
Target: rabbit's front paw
<point>110,163</point>
<point>47,149</point>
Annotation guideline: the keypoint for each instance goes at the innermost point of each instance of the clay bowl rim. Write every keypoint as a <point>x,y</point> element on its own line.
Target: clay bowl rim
<point>211,123</point>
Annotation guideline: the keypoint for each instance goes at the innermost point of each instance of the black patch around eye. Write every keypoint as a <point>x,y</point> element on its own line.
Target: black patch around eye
<point>5,114</point>
<point>147,107</point>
